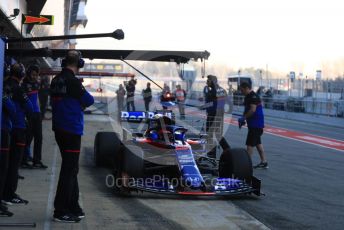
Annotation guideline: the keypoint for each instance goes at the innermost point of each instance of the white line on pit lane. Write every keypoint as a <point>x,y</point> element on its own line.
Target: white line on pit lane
<point>51,191</point>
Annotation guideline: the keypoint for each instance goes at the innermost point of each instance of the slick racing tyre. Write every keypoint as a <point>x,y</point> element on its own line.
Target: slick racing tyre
<point>133,162</point>
<point>106,146</point>
<point>236,163</point>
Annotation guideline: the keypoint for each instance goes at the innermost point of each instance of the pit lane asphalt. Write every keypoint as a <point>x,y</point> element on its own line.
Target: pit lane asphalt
<point>303,185</point>
<point>106,210</point>
<point>304,190</point>
<point>309,128</point>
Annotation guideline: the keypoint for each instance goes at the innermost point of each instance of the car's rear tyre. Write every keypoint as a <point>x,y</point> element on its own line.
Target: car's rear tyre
<point>133,161</point>
<point>106,146</point>
<point>236,163</point>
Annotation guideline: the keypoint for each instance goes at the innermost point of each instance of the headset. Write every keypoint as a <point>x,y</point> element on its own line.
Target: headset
<point>32,68</point>
<point>18,70</point>
<point>81,61</point>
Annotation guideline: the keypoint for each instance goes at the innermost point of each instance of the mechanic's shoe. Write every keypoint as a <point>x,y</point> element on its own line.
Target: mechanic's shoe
<point>5,203</point>
<point>4,211</point>
<point>16,200</point>
<point>261,165</point>
<point>3,206</point>
<point>39,165</point>
<point>26,165</point>
<point>79,214</point>
<point>29,159</point>
<point>67,218</point>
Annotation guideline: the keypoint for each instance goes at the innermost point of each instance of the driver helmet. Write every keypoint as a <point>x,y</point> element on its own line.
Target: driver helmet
<point>162,120</point>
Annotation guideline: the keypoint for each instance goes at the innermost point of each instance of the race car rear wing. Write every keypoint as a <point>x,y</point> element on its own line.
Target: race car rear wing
<point>141,116</point>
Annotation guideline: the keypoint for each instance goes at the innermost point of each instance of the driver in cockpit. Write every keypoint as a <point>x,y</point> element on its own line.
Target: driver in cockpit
<point>158,128</point>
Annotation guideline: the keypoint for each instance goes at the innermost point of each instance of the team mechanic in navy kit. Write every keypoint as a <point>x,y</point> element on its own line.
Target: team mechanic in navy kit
<point>8,112</point>
<point>215,98</point>
<point>254,117</point>
<point>31,86</point>
<point>18,136</point>
<point>69,99</point>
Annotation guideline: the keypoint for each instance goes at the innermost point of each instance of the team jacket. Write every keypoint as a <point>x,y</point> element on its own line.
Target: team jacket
<point>69,98</point>
<point>31,88</point>
<point>8,112</point>
<point>221,97</point>
<point>22,103</point>
<point>257,119</point>
<point>130,90</point>
<point>147,94</point>
<point>215,98</point>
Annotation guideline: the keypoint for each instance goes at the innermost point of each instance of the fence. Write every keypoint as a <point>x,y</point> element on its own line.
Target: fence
<point>289,104</point>
<point>305,105</point>
<point>315,101</point>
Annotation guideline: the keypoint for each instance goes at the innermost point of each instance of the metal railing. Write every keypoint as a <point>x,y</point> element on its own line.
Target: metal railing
<point>299,105</point>
<point>334,108</point>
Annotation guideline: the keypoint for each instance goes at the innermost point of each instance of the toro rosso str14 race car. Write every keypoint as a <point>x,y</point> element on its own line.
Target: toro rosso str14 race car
<point>161,157</point>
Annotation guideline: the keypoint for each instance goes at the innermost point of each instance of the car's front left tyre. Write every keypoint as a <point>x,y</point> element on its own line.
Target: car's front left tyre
<point>106,146</point>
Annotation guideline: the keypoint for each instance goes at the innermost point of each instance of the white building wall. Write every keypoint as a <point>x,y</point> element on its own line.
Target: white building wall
<point>7,7</point>
<point>56,8</point>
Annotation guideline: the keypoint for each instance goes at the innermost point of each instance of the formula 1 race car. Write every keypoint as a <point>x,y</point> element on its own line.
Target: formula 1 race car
<point>162,158</point>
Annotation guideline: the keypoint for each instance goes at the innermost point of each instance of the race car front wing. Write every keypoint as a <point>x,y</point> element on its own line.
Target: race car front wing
<point>223,187</point>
